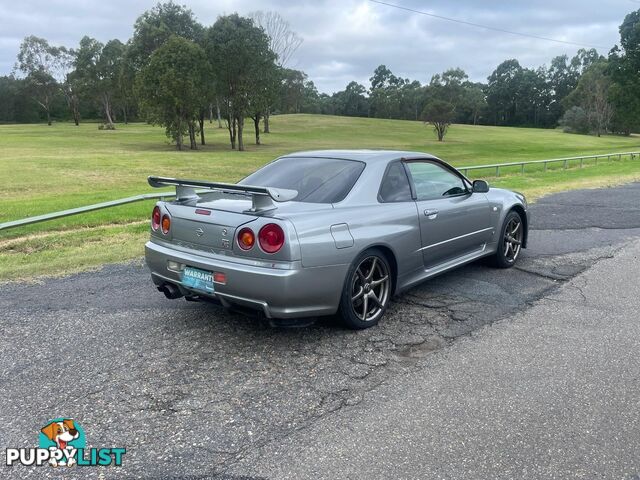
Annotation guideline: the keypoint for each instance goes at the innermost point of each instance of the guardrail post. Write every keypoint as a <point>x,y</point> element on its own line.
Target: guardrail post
<point>581,161</point>
<point>620,157</point>
<point>522,168</point>
<point>497,171</point>
<point>565,164</point>
<point>545,166</point>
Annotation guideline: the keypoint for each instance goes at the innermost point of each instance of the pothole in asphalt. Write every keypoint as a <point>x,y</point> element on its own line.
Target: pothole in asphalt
<point>421,350</point>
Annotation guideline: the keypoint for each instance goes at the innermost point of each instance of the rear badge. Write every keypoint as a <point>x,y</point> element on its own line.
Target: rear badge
<point>199,232</point>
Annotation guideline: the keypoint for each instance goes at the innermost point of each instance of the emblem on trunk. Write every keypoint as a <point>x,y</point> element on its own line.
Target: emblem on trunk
<point>199,232</point>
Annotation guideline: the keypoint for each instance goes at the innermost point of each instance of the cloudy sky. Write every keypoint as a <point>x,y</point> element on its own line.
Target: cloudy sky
<point>345,40</point>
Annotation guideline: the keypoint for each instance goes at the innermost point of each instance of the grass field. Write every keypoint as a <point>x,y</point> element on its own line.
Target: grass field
<point>44,169</point>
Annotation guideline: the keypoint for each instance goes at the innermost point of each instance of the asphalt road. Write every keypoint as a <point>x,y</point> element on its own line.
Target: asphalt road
<point>551,393</point>
<point>195,392</point>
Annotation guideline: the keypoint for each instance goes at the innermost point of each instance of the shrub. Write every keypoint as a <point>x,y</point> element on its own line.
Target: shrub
<point>575,120</point>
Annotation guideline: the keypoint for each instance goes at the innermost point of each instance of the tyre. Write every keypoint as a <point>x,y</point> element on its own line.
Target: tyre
<point>510,241</point>
<point>367,290</point>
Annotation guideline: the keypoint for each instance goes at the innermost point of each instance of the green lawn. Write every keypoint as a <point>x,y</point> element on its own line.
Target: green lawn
<point>44,169</point>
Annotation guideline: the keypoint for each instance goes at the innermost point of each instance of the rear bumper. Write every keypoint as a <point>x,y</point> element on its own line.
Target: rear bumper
<point>277,292</point>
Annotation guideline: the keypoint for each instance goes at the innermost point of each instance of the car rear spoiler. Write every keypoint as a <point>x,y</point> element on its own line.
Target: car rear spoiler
<point>262,198</point>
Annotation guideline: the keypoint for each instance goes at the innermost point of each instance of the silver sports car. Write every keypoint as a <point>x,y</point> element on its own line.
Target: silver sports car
<point>319,232</point>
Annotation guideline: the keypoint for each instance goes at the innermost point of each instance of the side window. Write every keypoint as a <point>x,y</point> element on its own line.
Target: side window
<point>433,181</point>
<point>395,185</point>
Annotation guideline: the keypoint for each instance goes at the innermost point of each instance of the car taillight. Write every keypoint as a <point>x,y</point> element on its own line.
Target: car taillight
<point>155,218</point>
<point>271,238</point>
<point>246,238</point>
<point>166,224</point>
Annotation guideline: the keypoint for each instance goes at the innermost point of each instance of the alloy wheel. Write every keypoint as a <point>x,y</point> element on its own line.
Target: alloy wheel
<point>370,289</point>
<point>513,239</point>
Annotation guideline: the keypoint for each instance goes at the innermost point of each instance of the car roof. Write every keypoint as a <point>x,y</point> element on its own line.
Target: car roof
<point>368,156</point>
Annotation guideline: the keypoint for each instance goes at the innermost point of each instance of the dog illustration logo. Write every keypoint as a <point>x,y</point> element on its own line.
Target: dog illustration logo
<point>65,435</point>
<point>62,443</point>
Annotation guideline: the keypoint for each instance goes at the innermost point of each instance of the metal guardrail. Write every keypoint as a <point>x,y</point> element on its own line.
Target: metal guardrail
<point>153,196</point>
<point>565,161</point>
<point>88,208</point>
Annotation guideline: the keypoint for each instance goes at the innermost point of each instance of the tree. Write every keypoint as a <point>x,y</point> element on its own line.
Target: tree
<point>239,54</point>
<point>282,41</point>
<point>385,93</point>
<point>592,94</point>
<point>352,101</point>
<point>40,62</point>
<point>69,84</point>
<point>412,97</point>
<point>171,87</point>
<point>154,27</point>
<point>473,101</point>
<point>502,92</point>
<point>15,104</point>
<point>98,69</point>
<point>292,90</point>
<point>624,69</point>
<point>438,113</point>
<point>448,86</point>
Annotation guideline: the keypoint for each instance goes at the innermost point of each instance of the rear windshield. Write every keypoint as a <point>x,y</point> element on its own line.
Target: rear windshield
<point>317,180</point>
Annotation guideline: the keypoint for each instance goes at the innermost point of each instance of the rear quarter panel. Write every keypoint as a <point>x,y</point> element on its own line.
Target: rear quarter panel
<point>390,225</point>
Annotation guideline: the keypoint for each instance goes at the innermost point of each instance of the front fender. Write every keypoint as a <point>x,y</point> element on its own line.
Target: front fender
<point>503,201</point>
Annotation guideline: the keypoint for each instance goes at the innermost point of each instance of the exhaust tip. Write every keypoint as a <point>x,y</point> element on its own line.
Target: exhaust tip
<point>170,291</point>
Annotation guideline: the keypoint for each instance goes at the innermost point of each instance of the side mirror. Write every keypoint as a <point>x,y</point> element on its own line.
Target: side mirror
<point>480,186</point>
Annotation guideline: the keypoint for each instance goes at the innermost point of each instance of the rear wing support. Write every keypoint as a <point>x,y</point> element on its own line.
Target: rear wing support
<point>262,198</point>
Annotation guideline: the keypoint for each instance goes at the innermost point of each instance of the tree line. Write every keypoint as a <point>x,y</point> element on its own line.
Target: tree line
<point>173,72</point>
<point>586,93</point>
<point>178,73</point>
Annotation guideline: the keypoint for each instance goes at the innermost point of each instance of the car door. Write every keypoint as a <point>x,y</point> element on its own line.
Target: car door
<point>454,222</point>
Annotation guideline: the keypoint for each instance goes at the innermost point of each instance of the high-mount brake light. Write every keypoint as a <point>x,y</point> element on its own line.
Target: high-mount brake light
<point>166,224</point>
<point>155,218</point>
<point>271,238</point>
<point>246,238</point>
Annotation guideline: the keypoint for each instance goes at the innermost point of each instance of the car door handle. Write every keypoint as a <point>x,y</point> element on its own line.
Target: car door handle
<point>431,213</point>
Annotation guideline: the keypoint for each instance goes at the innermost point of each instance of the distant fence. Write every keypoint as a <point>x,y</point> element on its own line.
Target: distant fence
<point>566,162</point>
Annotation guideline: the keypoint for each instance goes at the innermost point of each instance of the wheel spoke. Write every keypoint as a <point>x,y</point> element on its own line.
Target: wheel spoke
<point>375,299</point>
<point>360,276</point>
<point>365,308</point>
<point>375,283</point>
<point>509,247</point>
<point>373,268</point>
<point>515,229</point>
<point>357,295</point>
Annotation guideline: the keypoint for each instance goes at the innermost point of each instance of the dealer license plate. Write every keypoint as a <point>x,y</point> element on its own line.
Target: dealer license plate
<point>197,279</point>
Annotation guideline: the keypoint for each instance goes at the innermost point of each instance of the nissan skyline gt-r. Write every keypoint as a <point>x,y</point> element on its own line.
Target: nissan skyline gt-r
<point>325,232</point>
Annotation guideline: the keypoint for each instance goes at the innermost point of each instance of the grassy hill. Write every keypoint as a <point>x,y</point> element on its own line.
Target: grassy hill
<point>44,169</point>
